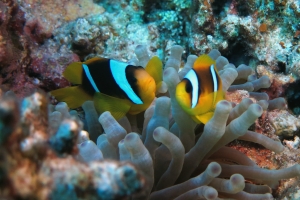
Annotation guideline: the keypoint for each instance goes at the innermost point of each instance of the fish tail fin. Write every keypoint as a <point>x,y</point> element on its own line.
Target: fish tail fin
<point>73,73</point>
<point>74,96</point>
<point>155,69</point>
<point>117,107</point>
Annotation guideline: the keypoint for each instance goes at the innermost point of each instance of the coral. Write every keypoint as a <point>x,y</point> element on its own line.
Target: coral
<point>108,34</point>
<point>293,144</point>
<point>38,165</point>
<point>28,59</point>
<point>285,124</point>
<point>49,15</point>
<point>254,32</point>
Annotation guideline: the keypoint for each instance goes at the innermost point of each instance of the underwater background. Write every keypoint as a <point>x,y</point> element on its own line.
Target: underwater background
<point>49,152</point>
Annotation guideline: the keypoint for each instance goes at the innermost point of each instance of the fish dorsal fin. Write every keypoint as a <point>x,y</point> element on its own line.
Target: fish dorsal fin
<point>73,73</point>
<point>117,107</point>
<point>204,61</point>
<point>89,61</point>
<point>155,69</point>
<point>118,70</point>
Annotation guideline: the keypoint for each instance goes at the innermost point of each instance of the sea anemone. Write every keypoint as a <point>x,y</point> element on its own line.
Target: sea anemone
<point>172,156</point>
<point>182,160</point>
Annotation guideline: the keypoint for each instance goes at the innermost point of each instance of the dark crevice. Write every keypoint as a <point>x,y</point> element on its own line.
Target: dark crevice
<point>237,52</point>
<point>293,97</point>
<point>218,6</point>
<point>281,67</point>
<point>242,9</point>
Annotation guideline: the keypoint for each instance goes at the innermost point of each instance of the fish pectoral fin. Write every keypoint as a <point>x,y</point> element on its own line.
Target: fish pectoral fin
<point>203,118</point>
<point>73,73</point>
<point>74,96</point>
<point>117,107</point>
<point>155,69</point>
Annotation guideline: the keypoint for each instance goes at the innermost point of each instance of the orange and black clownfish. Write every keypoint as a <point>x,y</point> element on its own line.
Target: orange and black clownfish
<point>113,85</point>
<point>200,90</point>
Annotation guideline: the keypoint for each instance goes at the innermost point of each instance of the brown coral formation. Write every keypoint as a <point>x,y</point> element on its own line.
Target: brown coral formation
<point>28,59</point>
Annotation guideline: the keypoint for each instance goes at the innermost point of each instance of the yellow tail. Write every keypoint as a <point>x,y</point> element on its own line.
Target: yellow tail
<point>74,96</point>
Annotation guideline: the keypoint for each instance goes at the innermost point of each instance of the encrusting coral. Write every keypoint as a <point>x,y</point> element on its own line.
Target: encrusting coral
<point>172,156</point>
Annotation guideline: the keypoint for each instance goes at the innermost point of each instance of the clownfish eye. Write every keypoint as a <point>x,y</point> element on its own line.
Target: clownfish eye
<point>188,87</point>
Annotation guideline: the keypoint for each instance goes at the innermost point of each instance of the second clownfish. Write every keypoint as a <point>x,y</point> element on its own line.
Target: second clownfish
<point>113,85</point>
<point>200,90</point>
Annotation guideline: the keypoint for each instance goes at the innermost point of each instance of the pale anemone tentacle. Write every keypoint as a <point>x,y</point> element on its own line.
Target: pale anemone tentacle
<point>277,103</point>
<point>107,149</point>
<point>262,82</point>
<point>160,118</point>
<point>228,76</point>
<point>141,53</point>
<point>214,54</point>
<point>235,184</point>
<point>176,148</point>
<point>259,95</point>
<point>126,124</point>
<point>243,72</point>
<point>221,61</point>
<point>140,157</point>
<point>203,192</point>
<point>238,127</point>
<point>248,86</point>
<point>212,171</point>
<point>123,151</point>
<point>213,131</point>
<point>89,151</point>
<point>91,118</point>
<point>227,153</point>
<point>114,131</point>
<point>265,141</point>
<point>264,104</point>
<point>174,60</point>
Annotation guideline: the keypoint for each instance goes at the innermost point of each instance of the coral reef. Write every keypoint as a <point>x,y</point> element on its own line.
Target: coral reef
<point>48,156</point>
<point>249,31</point>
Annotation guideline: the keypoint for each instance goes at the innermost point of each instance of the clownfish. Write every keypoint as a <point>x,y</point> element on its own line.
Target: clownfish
<point>113,85</point>
<point>200,90</point>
